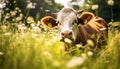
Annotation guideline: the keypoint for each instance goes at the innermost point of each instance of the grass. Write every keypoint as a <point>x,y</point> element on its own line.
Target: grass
<point>43,50</point>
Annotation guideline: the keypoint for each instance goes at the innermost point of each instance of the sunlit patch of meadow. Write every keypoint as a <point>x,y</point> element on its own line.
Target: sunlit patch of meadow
<point>43,50</point>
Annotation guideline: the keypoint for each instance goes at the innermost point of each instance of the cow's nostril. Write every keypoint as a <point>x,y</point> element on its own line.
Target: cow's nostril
<point>66,34</point>
<point>70,33</point>
<point>62,34</point>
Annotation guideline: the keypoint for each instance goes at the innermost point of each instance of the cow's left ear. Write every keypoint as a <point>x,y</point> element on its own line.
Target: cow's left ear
<point>49,22</point>
<point>85,17</point>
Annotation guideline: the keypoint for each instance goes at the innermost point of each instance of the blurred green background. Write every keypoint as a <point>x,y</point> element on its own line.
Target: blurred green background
<point>46,7</point>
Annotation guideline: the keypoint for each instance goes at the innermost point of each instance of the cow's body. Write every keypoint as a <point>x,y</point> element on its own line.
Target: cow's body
<point>93,30</point>
<point>78,28</point>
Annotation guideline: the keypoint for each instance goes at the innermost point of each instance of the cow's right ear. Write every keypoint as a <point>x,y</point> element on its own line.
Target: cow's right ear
<point>49,22</point>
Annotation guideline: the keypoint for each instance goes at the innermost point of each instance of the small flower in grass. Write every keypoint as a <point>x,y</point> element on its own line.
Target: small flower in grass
<point>47,54</point>
<point>89,53</point>
<point>79,46</point>
<point>1,53</point>
<point>36,29</point>
<point>13,13</point>
<point>75,61</point>
<point>17,8</point>
<point>90,43</point>
<point>18,18</point>
<point>31,5</point>
<point>47,10</point>
<point>22,28</point>
<point>4,28</point>
<point>30,20</point>
<point>2,5</point>
<point>14,1</point>
<point>110,2</point>
<point>7,16</point>
<point>95,6</point>
<point>7,9</point>
<point>67,40</point>
<point>32,25</point>
<point>7,33</point>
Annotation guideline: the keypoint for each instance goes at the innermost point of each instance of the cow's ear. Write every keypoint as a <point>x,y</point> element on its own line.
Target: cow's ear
<point>49,22</point>
<point>85,17</point>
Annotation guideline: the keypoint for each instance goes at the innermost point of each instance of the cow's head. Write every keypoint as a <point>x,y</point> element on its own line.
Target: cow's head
<point>67,21</point>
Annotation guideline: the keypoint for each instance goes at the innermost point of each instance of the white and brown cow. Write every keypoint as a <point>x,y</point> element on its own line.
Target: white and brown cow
<point>77,28</point>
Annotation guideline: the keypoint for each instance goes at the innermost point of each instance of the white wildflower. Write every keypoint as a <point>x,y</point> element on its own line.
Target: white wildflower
<point>21,15</point>
<point>7,9</point>
<point>1,53</point>
<point>90,42</point>
<point>22,28</point>
<point>31,5</point>
<point>110,2</point>
<point>7,16</point>
<point>13,13</point>
<point>2,5</point>
<point>18,18</point>
<point>47,10</point>
<point>30,20</point>
<point>79,46</point>
<point>36,29</point>
<point>7,33</point>
<point>32,25</point>
<point>67,40</point>
<point>75,61</point>
<point>4,27</point>
<point>89,53</point>
<point>14,1</point>
<point>47,54</point>
<point>17,8</point>
<point>95,6</point>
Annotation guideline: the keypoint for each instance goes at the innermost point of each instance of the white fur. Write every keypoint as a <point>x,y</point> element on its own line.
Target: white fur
<point>66,17</point>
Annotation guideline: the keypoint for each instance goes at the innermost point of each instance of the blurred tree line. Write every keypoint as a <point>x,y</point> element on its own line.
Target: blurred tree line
<point>40,9</point>
<point>46,7</point>
<point>108,11</point>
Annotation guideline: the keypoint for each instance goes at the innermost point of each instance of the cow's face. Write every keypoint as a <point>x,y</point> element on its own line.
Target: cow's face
<point>67,25</point>
<point>66,22</point>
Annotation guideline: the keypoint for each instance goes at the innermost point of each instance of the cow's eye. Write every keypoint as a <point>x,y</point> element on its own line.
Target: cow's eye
<point>74,22</point>
<point>58,23</point>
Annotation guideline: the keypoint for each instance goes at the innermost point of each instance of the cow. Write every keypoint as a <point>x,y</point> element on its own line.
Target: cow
<point>77,26</point>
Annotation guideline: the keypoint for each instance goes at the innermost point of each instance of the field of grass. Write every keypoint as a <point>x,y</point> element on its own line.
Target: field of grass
<point>43,50</point>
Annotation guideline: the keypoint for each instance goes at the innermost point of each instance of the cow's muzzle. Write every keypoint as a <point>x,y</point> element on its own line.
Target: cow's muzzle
<point>66,34</point>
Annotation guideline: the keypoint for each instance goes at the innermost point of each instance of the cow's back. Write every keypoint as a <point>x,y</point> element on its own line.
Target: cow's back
<point>95,29</point>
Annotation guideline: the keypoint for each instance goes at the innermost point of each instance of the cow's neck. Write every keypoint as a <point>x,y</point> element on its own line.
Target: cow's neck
<point>82,35</point>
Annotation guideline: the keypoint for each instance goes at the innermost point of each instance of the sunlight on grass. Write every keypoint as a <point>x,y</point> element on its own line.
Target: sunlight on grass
<point>43,50</point>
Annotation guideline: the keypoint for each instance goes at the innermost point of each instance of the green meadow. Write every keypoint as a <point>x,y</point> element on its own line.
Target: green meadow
<point>26,44</point>
<point>43,50</point>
